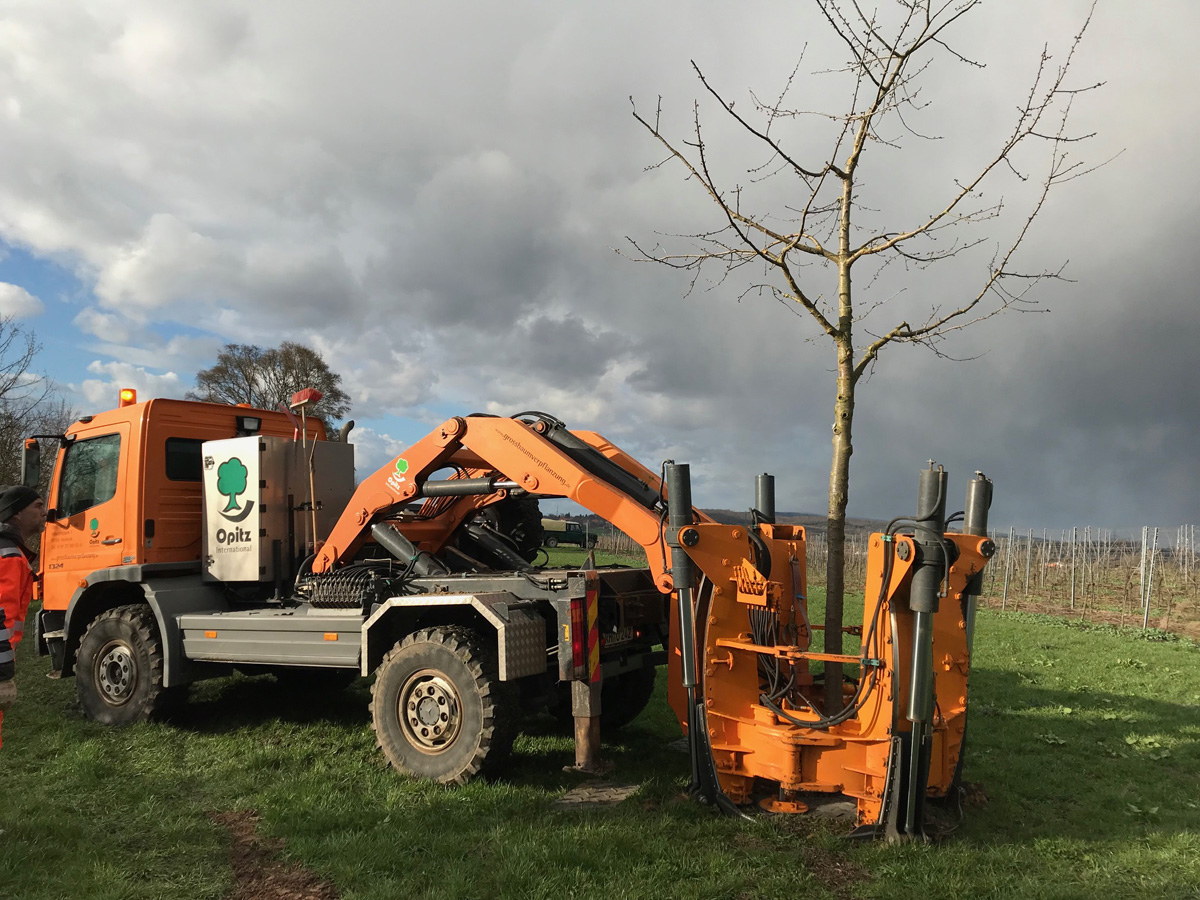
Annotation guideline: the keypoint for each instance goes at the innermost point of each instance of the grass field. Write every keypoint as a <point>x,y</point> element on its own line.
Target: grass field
<point>1085,742</point>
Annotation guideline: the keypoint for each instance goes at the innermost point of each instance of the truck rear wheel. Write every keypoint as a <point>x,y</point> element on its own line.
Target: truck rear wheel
<point>551,542</point>
<point>623,698</point>
<point>439,709</point>
<point>119,669</point>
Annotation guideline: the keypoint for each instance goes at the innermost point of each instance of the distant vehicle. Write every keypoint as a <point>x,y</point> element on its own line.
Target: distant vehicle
<point>559,531</point>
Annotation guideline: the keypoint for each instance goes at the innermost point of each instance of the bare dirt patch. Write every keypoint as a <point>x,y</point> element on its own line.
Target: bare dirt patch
<point>830,865</point>
<point>835,872</point>
<point>258,873</point>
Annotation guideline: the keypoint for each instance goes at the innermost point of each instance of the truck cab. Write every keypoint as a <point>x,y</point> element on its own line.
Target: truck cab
<point>126,495</point>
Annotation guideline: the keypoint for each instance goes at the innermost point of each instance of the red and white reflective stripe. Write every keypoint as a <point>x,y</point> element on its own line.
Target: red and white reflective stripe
<point>593,633</point>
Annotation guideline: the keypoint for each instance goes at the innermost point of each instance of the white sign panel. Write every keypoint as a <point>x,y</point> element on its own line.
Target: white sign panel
<point>232,509</point>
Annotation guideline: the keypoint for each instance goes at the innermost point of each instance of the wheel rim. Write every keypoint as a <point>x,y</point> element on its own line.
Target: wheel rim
<point>430,711</point>
<point>116,673</point>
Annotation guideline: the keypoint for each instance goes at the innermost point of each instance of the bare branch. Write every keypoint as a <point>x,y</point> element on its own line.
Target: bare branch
<point>774,249</point>
<point>762,135</point>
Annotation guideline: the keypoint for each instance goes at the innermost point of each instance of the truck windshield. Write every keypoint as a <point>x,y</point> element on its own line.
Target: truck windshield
<point>89,474</point>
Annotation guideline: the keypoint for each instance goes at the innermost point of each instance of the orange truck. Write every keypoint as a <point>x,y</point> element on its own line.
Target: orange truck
<point>187,540</point>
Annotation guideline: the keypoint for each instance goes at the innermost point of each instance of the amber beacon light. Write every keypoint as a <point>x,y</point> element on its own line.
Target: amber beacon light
<point>128,397</point>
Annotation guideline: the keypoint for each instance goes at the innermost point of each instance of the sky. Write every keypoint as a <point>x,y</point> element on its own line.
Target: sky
<point>440,198</point>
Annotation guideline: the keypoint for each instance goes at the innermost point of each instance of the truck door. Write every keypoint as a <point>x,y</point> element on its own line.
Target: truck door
<point>88,528</point>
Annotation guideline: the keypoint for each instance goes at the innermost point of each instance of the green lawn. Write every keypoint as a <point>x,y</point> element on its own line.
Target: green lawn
<point>565,557</point>
<point>1086,743</point>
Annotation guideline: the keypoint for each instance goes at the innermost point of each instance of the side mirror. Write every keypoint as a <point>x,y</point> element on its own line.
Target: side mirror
<point>31,463</point>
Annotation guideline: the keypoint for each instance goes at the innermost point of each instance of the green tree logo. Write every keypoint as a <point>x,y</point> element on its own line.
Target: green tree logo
<point>402,465</point>
<point>231,481</point>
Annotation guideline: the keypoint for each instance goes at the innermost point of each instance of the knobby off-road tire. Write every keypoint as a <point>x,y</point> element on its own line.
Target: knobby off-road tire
<point>623,698</point>
<point>439,709</point>
<point>119,669</point>
<point>519,519</point>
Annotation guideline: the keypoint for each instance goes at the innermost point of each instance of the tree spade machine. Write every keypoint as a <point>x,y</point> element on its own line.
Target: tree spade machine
<point>187,540</point>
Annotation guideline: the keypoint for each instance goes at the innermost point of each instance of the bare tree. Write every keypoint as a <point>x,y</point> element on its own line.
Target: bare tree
<point>812,239</point>
<point>29,403</point>
<point>244,373</point>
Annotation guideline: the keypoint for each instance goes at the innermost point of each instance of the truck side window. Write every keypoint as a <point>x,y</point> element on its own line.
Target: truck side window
<point>89,474</point>
<point>183,459</point>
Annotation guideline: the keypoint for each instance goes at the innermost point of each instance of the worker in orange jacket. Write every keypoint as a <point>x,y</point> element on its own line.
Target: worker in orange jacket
<point>22,516</point>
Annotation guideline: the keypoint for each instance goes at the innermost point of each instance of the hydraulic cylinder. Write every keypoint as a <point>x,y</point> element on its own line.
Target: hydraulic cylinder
<point>764,497</point>
<point>928,572</point>
<point>679,516</point>
<point>975,522</point>
<point>923,598</point>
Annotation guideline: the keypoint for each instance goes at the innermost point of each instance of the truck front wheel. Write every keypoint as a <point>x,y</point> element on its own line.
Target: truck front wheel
<point>119,669</point>
<point>439,709</point>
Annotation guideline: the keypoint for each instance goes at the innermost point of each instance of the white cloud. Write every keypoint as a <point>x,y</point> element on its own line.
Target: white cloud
<point>102,392</point>
<point>373,449</point>
<point>17,302</point>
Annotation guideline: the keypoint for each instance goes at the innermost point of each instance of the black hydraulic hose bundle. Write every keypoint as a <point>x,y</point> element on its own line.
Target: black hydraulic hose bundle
<point>497,545</point>
<point>869,665</point>
<point>869,661</point>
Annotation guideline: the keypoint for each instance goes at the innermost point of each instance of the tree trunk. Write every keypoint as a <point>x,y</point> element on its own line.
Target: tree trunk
<point>839,492</point>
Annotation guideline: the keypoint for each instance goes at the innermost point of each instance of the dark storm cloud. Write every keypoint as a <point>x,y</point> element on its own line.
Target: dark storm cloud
<point>567,350</point>
<point>431,196</point>
<point>1088,415</point>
